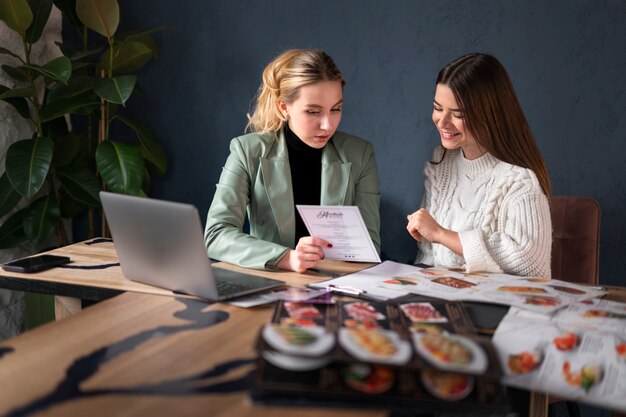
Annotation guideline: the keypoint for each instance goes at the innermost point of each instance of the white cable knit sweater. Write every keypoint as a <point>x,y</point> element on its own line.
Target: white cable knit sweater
<point>499,210</point>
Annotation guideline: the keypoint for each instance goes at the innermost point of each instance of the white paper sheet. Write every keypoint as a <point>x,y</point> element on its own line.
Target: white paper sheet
<point>390,280</point>
<point>579,353</point>
<point>344,228</point>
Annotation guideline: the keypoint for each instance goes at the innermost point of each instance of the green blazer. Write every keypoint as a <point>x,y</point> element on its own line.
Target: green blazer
<point>256,178</point>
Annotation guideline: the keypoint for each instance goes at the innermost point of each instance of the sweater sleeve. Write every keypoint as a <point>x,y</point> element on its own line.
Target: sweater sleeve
<point>425,249</point>
<point>520,243</point>
<point>224,236</point>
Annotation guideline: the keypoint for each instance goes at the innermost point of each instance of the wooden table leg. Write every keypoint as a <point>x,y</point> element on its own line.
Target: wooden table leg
<point>65,306</point>
<point>538,405</point>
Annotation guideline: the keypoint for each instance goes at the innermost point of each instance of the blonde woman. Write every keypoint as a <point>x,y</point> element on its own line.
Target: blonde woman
<point>486,201</point>
<point>294,155</point>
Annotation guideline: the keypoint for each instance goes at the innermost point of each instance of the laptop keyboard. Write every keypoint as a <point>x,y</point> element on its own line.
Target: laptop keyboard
<point>230,287</point>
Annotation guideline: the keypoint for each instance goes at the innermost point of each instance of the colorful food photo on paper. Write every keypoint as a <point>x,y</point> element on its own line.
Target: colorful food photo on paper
<point>543,301</point>
<point>402,281</point>
<point>433,272</point>
<point>422,312</point>
<point>524,362</point>
<point>296,340</point>
<point>584,377</point>
<point>363,311</point>
<point>370,379</point>
<point>378,346</point>
<point>426,328</point>
<point>566,341</point>
<point>302,310</point>
<point>449,352</point>
<point>568,290</point>
<point>522,289</point>
<point>453,282</point>
<point>446,385</point>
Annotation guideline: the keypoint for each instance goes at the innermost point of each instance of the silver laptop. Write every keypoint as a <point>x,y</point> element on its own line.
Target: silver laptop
<point>160,243</point>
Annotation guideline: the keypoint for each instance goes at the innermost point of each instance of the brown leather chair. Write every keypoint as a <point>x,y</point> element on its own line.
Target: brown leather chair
<point>575,239</point>
<point>575,251</point>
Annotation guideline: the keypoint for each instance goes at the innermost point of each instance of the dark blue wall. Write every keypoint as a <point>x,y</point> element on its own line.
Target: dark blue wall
<point>566,58</point>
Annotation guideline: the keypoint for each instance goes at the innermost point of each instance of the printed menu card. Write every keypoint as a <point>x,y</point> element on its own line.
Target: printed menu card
<point>368,354</point>
<point>579,353</point>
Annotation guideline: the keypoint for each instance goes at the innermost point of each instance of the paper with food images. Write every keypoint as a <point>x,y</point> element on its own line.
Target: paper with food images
<point>537,294</point>
<point>390,280</point>
<point>596,314</point>
<point>369,280</point>
<point>374,352</point>
<point>584,361</point>
<point>344,228</point>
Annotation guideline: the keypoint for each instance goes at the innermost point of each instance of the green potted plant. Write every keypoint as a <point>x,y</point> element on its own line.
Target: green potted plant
<point>60,171</point>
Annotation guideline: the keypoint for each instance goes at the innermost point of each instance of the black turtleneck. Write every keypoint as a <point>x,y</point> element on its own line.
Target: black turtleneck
<point>306,175</point>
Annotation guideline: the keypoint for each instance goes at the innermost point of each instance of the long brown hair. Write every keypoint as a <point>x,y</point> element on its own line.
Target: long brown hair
<point>282,80</point>
<point>492,112</point>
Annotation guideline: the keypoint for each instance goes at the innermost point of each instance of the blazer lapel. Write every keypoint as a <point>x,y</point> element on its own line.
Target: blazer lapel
<point>277,182</point>
<point>335,177</point>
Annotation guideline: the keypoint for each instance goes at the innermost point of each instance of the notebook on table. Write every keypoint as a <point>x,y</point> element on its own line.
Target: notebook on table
<point>160,243</point>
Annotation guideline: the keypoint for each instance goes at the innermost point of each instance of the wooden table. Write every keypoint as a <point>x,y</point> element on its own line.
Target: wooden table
<point>145,352</point>
<point>94,274</point>
<point>140,355</point>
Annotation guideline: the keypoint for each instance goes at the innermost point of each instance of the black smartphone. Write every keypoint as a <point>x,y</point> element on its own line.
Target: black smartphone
<point>35,263</point>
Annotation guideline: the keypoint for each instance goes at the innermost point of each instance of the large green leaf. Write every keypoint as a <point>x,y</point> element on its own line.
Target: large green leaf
<point>16,73</point>
<point>78,67</point>
<point>27,164</point>
<point>133,35</point>
<point>66,149</point>
<point>69,207</point>
<point>41,13</point>
<point>12,231</point>
<point>55,130</point>
<point>68,8</point>
<point>129,56</point>
<point>16,92</point>
<point>8,196</point>
<point>121,166</point>
<point>81,184</point>
<point>20,103</point>
<point>151,149</point>
<point>59,69</point>
<point>16,14</point>
<point>5,51</point>
<point>74,55</point>
<point>116,90</point>
<point>76,86</point>
<point>145,187</point>
<point>41,218</point>
<point>82,104</point>
<point>102,16</point>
